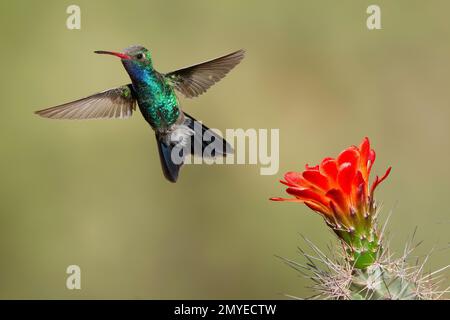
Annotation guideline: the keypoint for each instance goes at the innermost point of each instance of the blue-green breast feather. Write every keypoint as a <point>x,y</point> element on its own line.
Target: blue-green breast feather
<point>156,97</point>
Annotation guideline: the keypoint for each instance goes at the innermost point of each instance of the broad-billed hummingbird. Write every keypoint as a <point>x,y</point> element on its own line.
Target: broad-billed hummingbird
<point>154,93</point>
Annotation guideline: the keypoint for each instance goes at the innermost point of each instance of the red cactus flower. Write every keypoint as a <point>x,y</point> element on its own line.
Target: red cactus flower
<point>338,188</point>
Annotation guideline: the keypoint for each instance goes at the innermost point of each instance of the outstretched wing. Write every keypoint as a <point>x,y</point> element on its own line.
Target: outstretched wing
<point>195,80</point>
<point>113,103</point>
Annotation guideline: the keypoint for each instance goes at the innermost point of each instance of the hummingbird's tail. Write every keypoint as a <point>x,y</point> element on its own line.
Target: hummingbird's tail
<point>190,137</point>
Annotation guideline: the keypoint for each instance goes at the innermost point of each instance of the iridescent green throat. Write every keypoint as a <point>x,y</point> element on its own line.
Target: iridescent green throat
<point>156,98</point>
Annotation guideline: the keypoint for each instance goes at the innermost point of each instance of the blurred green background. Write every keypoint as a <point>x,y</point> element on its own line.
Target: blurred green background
<point>92,193</point>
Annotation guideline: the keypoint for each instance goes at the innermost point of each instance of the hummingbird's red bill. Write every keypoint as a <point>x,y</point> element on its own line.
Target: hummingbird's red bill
<point>117,54</point>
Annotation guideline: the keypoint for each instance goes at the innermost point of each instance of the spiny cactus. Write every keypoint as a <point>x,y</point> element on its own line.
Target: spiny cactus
<point>338,189</point>
<point>389,278</point>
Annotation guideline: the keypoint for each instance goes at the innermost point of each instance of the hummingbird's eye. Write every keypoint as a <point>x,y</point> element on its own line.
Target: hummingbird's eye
<point>140,56</point>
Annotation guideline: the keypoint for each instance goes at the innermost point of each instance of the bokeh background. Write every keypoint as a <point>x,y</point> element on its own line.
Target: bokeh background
<point>92,193</point>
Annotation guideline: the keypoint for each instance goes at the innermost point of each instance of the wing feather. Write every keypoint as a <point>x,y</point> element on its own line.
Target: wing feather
<point>195,80</point>
<point>112,103</point>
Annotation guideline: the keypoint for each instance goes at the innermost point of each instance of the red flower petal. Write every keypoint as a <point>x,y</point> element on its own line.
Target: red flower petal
<point>307,195</point>
<point>364,149</point>
<point>285,199</point>
<point>315,168</point>
<point>292,178</point>
<point>339,200</point>
<point>318,207</point>
<point>349,155</point>
<point>316,179</point>
<point>371,160</point>
<point>328,168</point>
<point>359,190</point>
<point>346,174</point>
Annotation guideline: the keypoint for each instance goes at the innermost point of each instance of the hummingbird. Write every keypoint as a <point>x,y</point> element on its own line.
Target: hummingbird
<point>154,93</point>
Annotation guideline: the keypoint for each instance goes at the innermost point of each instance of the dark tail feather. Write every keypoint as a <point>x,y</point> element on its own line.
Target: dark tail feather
<point>200,138</point>
<point>218,145</point>
<point>170,169</point>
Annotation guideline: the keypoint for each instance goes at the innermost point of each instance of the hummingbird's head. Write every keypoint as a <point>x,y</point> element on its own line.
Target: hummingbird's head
<point>134,58</point>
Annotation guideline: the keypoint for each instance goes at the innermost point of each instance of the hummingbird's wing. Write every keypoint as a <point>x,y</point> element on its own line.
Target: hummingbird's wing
<point>195,80</point>
<point>112,103</point>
